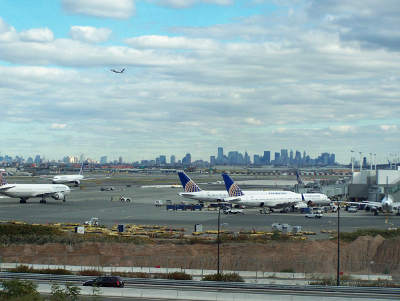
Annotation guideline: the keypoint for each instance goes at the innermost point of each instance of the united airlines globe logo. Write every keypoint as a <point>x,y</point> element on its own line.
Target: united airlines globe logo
<point>191,187</point>
<point>234,190</point>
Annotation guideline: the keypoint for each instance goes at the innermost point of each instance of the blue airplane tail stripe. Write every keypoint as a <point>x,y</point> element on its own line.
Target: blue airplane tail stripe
<point>232,188</point>
<point>188,184</point>
<point>2,179</point>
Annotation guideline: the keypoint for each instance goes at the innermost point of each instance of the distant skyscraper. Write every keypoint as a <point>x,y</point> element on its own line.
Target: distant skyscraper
<point>172,160</point>
<point>120,160</point>
<point>37,159</point>
<point>187,160</point>
<point>220,157</point>
<point>267,157</point>
<point>103,160</point>
<point>212,160</point>
<point>277,158</point>
<point>247,159</point>
<point>163,160</point>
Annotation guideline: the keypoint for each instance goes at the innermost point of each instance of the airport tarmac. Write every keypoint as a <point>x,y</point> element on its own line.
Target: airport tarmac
<point>88,201</point>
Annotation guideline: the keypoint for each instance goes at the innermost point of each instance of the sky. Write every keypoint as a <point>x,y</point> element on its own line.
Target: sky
<point>247,75</point>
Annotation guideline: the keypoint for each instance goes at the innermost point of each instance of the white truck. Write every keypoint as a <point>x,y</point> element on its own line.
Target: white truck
<point>233,211</point>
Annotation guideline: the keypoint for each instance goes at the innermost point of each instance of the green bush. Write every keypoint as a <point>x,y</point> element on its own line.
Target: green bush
<point>228,277</point>
<point>16,289</point>
<point>90,273</point>
<point>26,229</point>
<point>131,274</point>
<point>178,276</point>
<point>27,269</point>
<point>289,270</point>
<point>351,236</point>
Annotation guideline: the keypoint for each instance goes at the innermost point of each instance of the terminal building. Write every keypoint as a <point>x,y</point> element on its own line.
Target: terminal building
<point>371,185</point>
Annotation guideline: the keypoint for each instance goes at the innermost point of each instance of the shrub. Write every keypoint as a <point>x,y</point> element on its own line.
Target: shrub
<point>228,277</point>
<point>179,276</point>
<point>131,274</point>
<point>289,270</point>
<point>351,236</point>
<point>90,273</point>
<point>26,229</point>
<point>27,269</point>
<point>18,290</point>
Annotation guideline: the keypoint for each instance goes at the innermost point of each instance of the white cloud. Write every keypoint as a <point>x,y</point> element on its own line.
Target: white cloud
<point>388,127</point>
<point>253,121</point>
<point>89,34</point>
<point>7,32</point>
<point>167,42</point>
<point>342,128</point>
<point>118,9</point>
<point>41,35</point>
<point>189,3</point>
<point>58,126</point>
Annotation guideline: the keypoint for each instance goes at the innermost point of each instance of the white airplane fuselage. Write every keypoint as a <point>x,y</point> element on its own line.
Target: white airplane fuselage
<point>280,199</point>
<point>25,191</point>
<point>64,179</point>
<point>211,195</point>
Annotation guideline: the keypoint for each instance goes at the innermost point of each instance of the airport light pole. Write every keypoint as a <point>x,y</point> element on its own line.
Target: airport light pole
<point>218,240</point>
<point>338,246</point>
<point>352,162</point>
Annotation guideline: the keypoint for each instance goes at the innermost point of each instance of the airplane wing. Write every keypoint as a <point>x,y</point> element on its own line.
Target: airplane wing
<point>6,188</point>
<point>396,205</point>
<point>369,204</point>
<point>232,199</point>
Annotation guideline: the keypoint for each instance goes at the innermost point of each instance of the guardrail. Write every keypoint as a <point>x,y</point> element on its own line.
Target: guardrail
<point>212,285</point>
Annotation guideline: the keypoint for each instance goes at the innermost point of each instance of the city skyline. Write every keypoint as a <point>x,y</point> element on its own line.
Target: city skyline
<point>284,157</point>
<point>246,74</point>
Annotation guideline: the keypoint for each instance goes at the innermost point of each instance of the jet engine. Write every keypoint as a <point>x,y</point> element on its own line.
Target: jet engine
<point>310,204</point>
<point>58,196</point>
<point>77,182</point>
<point>262,204</point>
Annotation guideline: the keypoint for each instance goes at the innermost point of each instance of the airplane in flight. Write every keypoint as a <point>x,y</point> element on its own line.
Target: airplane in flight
<point>26,191</point>
<point>270,199</point>
<point>118,71</point>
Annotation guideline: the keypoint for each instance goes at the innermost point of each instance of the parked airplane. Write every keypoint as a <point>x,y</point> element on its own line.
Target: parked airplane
<point>192,191</point>
<point>26,191</point>
<point>270,199</point>
<point>386,205</point>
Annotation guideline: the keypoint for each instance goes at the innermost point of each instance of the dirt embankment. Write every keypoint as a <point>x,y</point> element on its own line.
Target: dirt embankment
<point>366,254</point>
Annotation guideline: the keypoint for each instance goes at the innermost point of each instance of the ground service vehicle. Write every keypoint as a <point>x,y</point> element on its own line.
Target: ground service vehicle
<point>313,215</point>
<point>105,281</point>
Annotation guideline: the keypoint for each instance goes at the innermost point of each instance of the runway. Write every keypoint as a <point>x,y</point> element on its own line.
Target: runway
<point>88,201</point>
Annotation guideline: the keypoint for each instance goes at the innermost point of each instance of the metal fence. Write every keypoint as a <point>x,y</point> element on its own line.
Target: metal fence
<point>244,264</point>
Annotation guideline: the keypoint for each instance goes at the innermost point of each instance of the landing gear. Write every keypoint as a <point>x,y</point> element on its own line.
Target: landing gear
<point>22,201</point>
<point>42,201</point>
<point>64,199</point>
<point>265,211</point>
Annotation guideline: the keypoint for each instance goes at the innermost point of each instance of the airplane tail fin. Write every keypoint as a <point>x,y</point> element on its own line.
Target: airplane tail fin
<point>299,180</point>
<point>188,184</point>
<point>232,188</point>
<point>2,179</point>
<point>84,163</point>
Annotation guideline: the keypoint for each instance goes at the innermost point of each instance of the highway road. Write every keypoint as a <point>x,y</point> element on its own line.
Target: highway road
<point>159,289</point>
